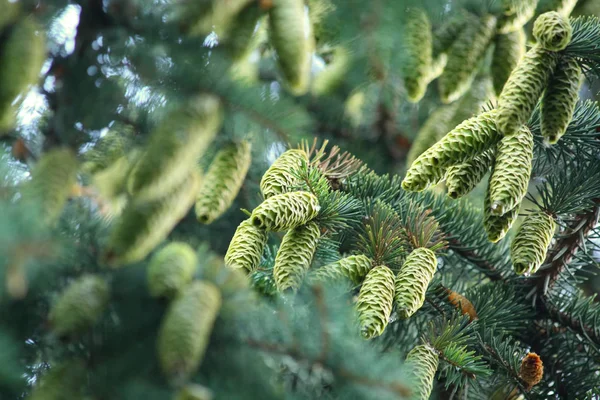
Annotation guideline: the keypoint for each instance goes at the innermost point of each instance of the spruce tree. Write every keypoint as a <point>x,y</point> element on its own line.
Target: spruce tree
<point>299,199</point>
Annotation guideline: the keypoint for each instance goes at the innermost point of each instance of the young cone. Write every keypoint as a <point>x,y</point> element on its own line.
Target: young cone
<point>171,269</point>
<point>497,226</point>
<point>285,211</point>
<point>559,100</point>
<point>412,281</point>
<point>512,170</point>
<point>463,304</point>
<point>450,30</point>
<point>417,45</point>
<point>292,39</point>
<point>424,363</point>
<point>462,178</point>
<point>530,245</point>
<point>280,176</point>
<point>144,224</point>
<point>52,179</point>
<point>508,51</point>
<point>434,128</point>
<point>246,247</point>
<point>524,88</point>
<point>516,15</point>
<point>223,181</point>
<point>333,74</point>
<point>553,31</point>
<point>186,328</point>
<point>295,256</point>
<point>375,301</point>
<point>80,305</point>
<point>241,36</point>
<point>22,57</point>
<point>532,370</point>
<point>354,268</point>
<point>462,144</point>
<point>463,58</point>
<point>174,148</point>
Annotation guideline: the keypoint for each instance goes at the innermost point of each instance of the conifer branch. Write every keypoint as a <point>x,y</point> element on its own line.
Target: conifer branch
<point>487,267</point>
<point>571,321</point>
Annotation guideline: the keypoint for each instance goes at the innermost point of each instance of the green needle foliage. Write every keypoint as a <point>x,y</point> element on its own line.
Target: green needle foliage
<point>343,244</point>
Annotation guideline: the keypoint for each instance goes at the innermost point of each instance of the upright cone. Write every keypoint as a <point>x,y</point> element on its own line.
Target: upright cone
<point>375,301</point>
<point>295,255</point>
<point>412,281</point>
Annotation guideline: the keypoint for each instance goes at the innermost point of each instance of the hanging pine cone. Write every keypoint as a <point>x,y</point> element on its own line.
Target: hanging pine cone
<point>223,181</point>
<point>516,15</point>
<point>462,303</point>
<point>530,245</point>
<point>532,370</point>
<point>186,328</point>
<point>246,247</point>
<point>417,45</point>
<point>22,57</point>
<point>171,269</point>
<point>144,224</point>
<point>559,100</point>
<point>375,301</point>
<point>508,51</point>
<point>280,177</point>
<point>497,226</point>
<point>291,37</point>
<point>512,170</point>
<point>52,179</point>
<point>204,17</point>
<point>553,31</point>
<point>285,211</point>
<point>354,268</point>
<point>241,36</point>
<point>174,148</point>
<point>412,281</point>
<point>424,362</point>
<point>462,144</point>
<point>295,256</point>
<point>194,391</point>
<point>80,305</point>
<point>436,126</point>
<point>450,30</point>
<point>462,178</point>
<point>463,57</point>
<point>524,88</point>
<point>333,74</point>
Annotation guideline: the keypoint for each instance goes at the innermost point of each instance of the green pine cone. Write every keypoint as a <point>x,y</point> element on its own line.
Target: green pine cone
<point>22,57</point>
<point>434,128</point>
<point>553,31</point>
<point>450,30</point>
<point>497,226</point>
<point>524,88</point>
<point>424,362</point>
<point>464,56</point>
<point>223,181</point>
<point>417,45</point>
<point>10,11</point>
<point>144,224</point>
<point>559,100</point>
<point>508,51</point>
<point>462,144</point>
<point>185,331</point>
<point>206,16</point>
<point>412,281</point>
<point>171,269</point>
<point>530,245</point>
<point>291,37</point>
<point>354,268</point>
<point>246,247</point>
<point>64,381</point>
<point>241,36</point>
<point>512,170</point>
<point>194,391</point>
<point>516,14</point>
<point>52,180</point>
<point>295,256</point>
<point>286,211</point>
<point>80,305</point>
<point>462,178</point>
<point>375,301</point>
<point>332,76</point>
<point>174,148</point>
<point>108,149</point>
<point>564,7</point>
<point>280,177</point>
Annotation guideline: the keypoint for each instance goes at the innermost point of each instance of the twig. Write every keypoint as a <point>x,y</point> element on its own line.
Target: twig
<point>485,266</point>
